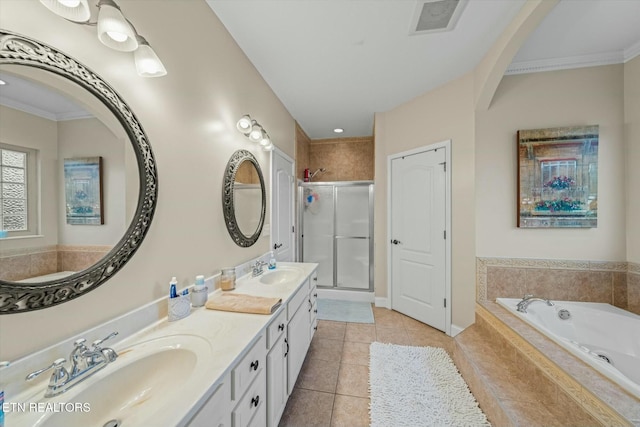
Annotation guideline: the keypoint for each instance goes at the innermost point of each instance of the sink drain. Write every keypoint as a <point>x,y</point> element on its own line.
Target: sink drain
<point>113,423</point>
<point>564,314</point>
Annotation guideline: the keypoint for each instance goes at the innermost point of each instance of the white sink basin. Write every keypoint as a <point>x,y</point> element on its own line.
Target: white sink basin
<point>144,386</point>
<point>281,275</point>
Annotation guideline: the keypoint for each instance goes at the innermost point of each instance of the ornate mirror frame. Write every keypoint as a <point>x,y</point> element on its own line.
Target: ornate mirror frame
<point>228,207</point>
<point>14,298</point>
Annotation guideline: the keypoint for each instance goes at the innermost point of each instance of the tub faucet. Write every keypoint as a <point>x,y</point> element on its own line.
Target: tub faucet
<point>84,362</point>
<point>528,299</point>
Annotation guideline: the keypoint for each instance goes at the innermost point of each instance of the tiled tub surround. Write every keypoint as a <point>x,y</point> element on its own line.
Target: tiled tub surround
<point>615,283</point>
<point>18,264</point>
<point>541,362</point>
<point>570,387</point>
<point>590,331</point>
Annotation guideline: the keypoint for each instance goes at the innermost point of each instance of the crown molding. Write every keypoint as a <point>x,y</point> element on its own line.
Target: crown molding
<point>632,51</point>
<point>30,109</point>
<point>569,62</point>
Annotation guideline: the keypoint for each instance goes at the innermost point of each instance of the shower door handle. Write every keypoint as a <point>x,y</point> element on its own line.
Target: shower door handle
<point>396,242</point>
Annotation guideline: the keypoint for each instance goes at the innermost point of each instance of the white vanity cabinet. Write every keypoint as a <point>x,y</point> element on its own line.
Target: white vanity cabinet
<point>248,387</point>
<point>278,347</point>
<point>215,412</point>
<point>255,389</point>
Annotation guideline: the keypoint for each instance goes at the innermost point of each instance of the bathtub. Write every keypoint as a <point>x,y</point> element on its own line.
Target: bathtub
<point>604,336</point>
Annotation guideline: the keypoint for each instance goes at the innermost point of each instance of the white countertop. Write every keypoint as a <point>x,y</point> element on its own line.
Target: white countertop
<point>228,334</point>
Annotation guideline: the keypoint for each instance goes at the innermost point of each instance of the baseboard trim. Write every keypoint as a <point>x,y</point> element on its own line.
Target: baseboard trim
<point>346,295</point>
<point>382,302</point>
<point>455,330</point>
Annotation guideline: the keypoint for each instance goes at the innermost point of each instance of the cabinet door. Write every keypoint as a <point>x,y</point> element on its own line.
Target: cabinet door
<point>215,412</point>
<point>298,335</point>
<point>277,394</point>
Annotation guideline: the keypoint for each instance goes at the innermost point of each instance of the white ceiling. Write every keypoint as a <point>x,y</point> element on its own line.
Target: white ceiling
<point>35,98</point>
<point>334,63</point>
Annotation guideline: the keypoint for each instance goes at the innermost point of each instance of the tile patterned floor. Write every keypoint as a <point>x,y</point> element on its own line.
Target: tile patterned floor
<point>333,385</point>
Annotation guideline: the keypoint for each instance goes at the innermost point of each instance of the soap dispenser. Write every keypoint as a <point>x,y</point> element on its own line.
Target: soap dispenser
<point>199,294</point>
<point>272,261</point>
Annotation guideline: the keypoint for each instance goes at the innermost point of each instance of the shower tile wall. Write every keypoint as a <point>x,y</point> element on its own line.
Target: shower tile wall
<point>616,283</point>
<point>302,152</point>
<point>345,159</point>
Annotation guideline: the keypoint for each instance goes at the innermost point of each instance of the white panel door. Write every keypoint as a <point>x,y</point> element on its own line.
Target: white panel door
<point>282,208</point>
<point>418,250</point>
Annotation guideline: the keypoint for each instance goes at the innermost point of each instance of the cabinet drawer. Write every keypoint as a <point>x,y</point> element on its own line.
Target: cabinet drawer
<point>252,407</point>
<point>251,365</point>
<point>295,301</point>
<point>215,412</point>
<point>276,328</point>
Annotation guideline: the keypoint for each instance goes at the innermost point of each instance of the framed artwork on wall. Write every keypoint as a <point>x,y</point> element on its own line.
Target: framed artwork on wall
<point>83,191</point>
<point>558,177</point>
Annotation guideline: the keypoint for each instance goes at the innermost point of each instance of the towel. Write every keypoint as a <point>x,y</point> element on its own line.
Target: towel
<point>242,303</point>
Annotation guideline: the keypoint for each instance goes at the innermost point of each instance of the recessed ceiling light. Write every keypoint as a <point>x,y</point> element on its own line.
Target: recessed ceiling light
<point>338,130</point>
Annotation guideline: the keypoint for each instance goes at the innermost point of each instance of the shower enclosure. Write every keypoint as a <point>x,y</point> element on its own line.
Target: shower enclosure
<point>336,219</point>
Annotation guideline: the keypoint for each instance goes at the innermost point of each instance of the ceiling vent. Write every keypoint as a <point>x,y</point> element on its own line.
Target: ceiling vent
<point>432,16</point>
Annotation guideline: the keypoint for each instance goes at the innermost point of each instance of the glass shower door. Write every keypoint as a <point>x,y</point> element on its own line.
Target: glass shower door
<point>318,230</point>
<point>353,233</point>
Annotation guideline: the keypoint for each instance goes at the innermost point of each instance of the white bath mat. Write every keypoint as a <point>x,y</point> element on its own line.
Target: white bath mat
<point>418,386</point>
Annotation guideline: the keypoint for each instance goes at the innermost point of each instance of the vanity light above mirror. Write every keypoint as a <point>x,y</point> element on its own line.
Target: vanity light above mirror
<point>254,131</point>
<point>114,31</point>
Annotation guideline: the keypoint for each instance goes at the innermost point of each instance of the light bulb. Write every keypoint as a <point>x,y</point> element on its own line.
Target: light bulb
<point>119,37</point>
<point>256,133</point>
<point>147,62</point>
<point>70,3</point>
<point>244,124</point>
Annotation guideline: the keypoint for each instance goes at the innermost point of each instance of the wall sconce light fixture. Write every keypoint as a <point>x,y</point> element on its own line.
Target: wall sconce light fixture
<point>254,131</point>
<point>114,31</point>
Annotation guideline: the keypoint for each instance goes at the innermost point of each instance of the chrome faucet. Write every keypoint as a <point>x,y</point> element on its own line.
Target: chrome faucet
<point>528,299</point>
<point>257,268</point>
<point>84,362</point>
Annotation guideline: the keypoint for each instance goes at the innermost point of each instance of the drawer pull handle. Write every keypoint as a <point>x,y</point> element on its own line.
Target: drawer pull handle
<point>287,343</point>
<point>254,365</point>
<point>310,306</point>
<point>281,327</point>
<point>315,295</point>
<point>255,401</point>
<point>315,311</point>
<point>315,279</point>
<point>315,328</point>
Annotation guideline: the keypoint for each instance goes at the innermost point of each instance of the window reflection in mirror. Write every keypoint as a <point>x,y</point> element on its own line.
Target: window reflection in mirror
<point>52,119</point>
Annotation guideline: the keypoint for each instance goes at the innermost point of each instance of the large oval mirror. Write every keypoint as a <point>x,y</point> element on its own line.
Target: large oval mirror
<point>243,198</point>
<point>95,171</point>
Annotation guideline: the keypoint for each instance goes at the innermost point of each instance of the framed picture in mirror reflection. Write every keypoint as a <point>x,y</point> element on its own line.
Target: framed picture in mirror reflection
<point>83,191</point>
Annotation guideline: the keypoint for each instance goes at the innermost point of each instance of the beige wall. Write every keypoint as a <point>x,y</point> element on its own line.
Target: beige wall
<point>26,130</point>
<point>189,116</point>
<point>90,138</point>
<point>444,113</point>
<point>632,141</point>
<point>585,96</point>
